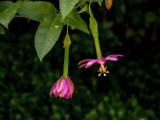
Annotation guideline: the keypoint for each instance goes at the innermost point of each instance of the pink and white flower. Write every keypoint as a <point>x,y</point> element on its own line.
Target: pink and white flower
<point>101,61</point>
<point>63,87</point>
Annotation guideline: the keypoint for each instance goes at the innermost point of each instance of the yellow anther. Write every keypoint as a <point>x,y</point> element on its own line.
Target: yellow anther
<point>102,69</point>
<point>61,95</point>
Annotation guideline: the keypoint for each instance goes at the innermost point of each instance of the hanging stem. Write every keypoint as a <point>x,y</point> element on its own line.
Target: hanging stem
<point>90,8</point>
<point>97,46</point>
<point>94,31</point>
<point>67,43</point>
<point>66,61</point>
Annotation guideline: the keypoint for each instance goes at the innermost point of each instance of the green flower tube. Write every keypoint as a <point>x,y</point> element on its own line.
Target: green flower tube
<point>67,43</point>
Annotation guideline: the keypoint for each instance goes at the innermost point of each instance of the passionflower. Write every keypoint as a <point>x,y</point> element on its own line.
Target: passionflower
<point>63,87</point>
<point>101,61</point>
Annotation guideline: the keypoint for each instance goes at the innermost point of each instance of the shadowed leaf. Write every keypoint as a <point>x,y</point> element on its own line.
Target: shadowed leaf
<point>8,14</point>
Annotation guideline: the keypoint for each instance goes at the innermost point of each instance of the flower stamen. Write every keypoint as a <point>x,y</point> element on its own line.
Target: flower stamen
<point>102,69</point>
<point>61,95</point>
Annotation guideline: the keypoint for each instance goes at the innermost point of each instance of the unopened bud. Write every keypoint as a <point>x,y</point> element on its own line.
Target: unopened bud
<point>67,40</point>
<point>108,3</point>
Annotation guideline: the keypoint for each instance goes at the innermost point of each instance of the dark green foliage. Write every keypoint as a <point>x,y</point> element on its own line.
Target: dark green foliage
<point>129,92</point>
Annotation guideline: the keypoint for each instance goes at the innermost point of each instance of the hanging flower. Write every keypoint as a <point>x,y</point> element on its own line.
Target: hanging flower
<point>63,88</point>
<point>101,61</point>
<point>108,4</point>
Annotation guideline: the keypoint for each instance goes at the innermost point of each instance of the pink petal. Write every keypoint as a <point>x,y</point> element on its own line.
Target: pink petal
<point>71,85</point>
<point>113,57</point>
<point>116,55</point>
<point>101,60</point>
<point>67,96</point>
<point>54,87</point>
<point>61,84</point>
<point>82,65</point>
<point>90,63</point>
<point>85,61</point>
<point>69,93</point>
<point>56,93</point>
<point>65,90</point>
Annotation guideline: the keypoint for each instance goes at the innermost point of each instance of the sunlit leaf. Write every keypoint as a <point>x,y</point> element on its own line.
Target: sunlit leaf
<point>75,20</point>
<point>84,9</point>
<point>50,25</point>
<point>37,10</point>
<point>47,34</point>
<point>66,6</point>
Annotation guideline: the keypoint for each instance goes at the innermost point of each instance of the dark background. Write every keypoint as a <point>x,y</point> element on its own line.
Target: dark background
<point>129,92</point>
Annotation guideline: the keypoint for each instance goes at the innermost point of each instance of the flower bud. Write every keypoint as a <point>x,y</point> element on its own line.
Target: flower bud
<point>108,3</point>
<point>67,40</point>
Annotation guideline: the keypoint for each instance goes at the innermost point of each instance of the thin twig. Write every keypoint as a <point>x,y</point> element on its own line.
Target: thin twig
<point>81,4</point>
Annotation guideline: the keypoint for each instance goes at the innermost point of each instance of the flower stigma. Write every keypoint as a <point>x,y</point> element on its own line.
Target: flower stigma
<point>102,69</point>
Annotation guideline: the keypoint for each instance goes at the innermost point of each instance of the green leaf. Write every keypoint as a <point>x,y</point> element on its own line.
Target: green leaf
<point>84,9</point>
<point>5,4</point>
<point>47,34</point>
<point>50,25</point>
<point>66,6</point>
<point>2,30</point>
<point>8,14</point>
<point>87,6</point>
<point>99,2</point>
<point>37,10</point>
<point>75,20</point>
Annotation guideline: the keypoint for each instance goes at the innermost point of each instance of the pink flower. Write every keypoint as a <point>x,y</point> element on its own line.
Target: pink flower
<point>63,88</point>
<point>101,61</point>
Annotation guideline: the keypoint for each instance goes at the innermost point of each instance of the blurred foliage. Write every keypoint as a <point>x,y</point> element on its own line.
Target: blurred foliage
<point>129,92</point>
